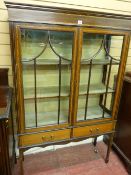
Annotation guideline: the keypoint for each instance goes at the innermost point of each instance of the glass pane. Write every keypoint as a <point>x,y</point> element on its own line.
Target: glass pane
<point>93,111</point>
<point>32,42</point>
<point>100,61</point>
<point>47,61</point>
<point>62,43</point>
<point>29,94</point>
<point>91,45</point>
<point>48,111</point>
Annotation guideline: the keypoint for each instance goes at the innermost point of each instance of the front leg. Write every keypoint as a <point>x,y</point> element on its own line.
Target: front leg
<point>94,143</point>
<point>21,157</point>
<point>110,141</point>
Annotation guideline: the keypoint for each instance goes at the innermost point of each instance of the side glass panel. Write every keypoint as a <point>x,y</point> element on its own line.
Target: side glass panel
<point>46,62</point>
<point>101,56</point>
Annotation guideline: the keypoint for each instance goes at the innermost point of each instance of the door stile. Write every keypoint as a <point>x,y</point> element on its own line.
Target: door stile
<point>77,73</point>
<point>19,81</point>
<point>121,71</point>
<point>73,77</point>
<point>120,78</point>
<point>21,112</point>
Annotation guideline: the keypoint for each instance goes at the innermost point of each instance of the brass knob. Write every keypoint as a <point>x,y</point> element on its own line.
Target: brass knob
<point>43,138</point>
<point>91,130</point>
<point>52,137</point>
<point>97,129</point>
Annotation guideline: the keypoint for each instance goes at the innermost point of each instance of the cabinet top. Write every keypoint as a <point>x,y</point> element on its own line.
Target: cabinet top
<point>19,12</point>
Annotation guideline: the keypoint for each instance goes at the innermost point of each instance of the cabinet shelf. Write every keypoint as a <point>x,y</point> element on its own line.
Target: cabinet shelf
<point>94,89</point>
<point>51,117</point>
<point>94,112</point>
<point>46,92</point>
<point>42,62</point>
<point>99,62</point>
<point>52,92</point>
<point>46,118</point>
<point>44,97</point>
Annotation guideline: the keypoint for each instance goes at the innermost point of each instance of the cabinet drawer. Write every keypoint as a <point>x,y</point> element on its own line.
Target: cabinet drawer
<point>93,130</point>
<point>39,138</point>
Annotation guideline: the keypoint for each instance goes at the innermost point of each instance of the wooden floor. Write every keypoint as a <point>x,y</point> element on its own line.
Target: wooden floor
<point>74,160</point>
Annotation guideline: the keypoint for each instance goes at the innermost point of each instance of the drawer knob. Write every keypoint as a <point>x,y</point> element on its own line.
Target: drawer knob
<point>97,129</point>
<point>52,137</point>
<point>91,130</point>
<point>43,138</point>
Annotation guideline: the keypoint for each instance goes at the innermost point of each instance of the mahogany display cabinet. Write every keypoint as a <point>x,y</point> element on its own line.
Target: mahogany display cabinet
<point>64,62</point>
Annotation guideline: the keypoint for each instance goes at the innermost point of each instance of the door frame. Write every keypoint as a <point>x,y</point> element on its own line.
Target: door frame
<point>19,79</point>
<point>121,70</point>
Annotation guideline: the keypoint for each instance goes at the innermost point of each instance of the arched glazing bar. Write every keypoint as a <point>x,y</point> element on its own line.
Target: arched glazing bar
<point>112,59</point>
<point>90,59</point>
<point>37,56</point>
<point>107,51</point>
<point>109,72</point>
<point>88,88</point>
<point>35,78</point>
<point>48,41</point>
<point>103,45</point>
<point>60,63</point>
<point>94,56</point>
<point>55,52</point>
<point>34,59</point>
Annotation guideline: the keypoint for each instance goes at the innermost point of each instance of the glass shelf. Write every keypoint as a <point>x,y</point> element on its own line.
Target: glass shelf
<point>46,92</point>
<point>48,111</point>
<point>46,118</point>
<point>99,62</point>
<point>94,89</point>
<point>94,112</point>
<point>42,62</point>
<point>52,92</point>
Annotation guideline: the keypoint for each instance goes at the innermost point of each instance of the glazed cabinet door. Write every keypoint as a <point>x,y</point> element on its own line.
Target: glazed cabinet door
<point>100,57</point>
<point>45,72</point>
